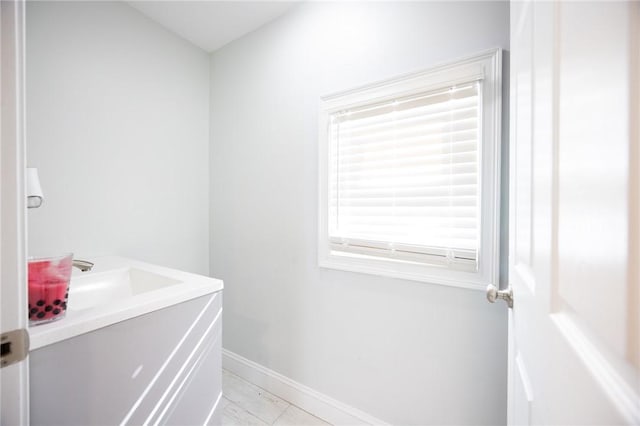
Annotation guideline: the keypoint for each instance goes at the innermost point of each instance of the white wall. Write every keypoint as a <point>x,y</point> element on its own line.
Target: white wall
<point>118,126</point>
<point>405,352</point>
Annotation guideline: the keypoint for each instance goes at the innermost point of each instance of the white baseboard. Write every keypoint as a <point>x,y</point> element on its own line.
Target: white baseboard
<point>316,403</point>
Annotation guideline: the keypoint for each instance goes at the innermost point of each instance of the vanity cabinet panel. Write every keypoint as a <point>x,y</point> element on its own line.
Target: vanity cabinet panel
<point>163,367</point>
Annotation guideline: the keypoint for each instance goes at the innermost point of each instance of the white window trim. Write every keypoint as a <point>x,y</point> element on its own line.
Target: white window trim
<point>486,66</point>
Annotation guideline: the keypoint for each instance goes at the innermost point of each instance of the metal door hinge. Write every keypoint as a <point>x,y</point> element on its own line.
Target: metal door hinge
<point>14,347</point>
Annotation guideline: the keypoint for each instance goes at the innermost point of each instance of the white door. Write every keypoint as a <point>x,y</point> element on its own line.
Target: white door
<point>14,407</point>
<point>574,335</point>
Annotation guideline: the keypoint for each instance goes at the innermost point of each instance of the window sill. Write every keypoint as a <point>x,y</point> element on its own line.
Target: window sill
<point>432,274</point>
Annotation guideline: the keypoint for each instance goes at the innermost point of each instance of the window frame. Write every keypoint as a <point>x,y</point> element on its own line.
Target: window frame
<point>487,67</point>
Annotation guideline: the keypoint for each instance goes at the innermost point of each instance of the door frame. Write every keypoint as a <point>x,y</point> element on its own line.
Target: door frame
<point>14,393</point>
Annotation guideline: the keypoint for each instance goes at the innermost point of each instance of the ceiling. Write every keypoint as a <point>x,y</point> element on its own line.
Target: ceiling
<point>212,24</point>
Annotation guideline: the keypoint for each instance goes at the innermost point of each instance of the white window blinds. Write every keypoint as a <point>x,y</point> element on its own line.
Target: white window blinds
<point>404,177</point>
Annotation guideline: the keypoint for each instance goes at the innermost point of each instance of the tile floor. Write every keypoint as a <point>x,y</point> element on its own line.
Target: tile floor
<point>244,403</point>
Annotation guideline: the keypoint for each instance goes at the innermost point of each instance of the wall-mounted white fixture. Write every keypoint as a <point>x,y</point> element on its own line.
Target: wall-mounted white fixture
<point>34,190</point>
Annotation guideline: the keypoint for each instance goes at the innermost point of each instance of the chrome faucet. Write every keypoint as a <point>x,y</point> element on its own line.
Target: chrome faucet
<point>83,265</point>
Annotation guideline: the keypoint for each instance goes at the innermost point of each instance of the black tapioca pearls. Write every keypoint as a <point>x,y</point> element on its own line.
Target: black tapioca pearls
<point>57,302</point>
<point>48,308</point>
<point>40,314</point>
<point>56,311</point>
<point>40,302</point>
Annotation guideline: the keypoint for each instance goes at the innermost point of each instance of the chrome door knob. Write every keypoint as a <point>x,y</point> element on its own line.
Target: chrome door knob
<point>494,294</point>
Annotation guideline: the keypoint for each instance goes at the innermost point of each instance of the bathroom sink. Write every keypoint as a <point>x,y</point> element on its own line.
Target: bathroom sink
<point>104,288</point>
<point>117,289</point>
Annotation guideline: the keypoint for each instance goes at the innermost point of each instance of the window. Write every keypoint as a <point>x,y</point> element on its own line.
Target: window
<point>409,175</point>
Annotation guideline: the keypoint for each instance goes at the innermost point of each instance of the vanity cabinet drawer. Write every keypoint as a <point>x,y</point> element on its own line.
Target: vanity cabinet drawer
<point>163,367</point>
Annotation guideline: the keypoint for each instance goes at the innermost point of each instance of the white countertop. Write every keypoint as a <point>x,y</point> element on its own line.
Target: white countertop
<point>79,321</point>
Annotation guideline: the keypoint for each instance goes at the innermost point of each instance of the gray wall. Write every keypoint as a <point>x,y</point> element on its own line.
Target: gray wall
<point>403,351</point>
<point>118,126</point>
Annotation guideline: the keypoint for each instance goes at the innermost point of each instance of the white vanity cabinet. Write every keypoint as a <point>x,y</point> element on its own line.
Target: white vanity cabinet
<point>159,367</point>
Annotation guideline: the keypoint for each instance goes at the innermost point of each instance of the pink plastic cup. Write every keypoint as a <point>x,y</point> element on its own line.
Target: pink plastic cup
<point>49,288</point>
